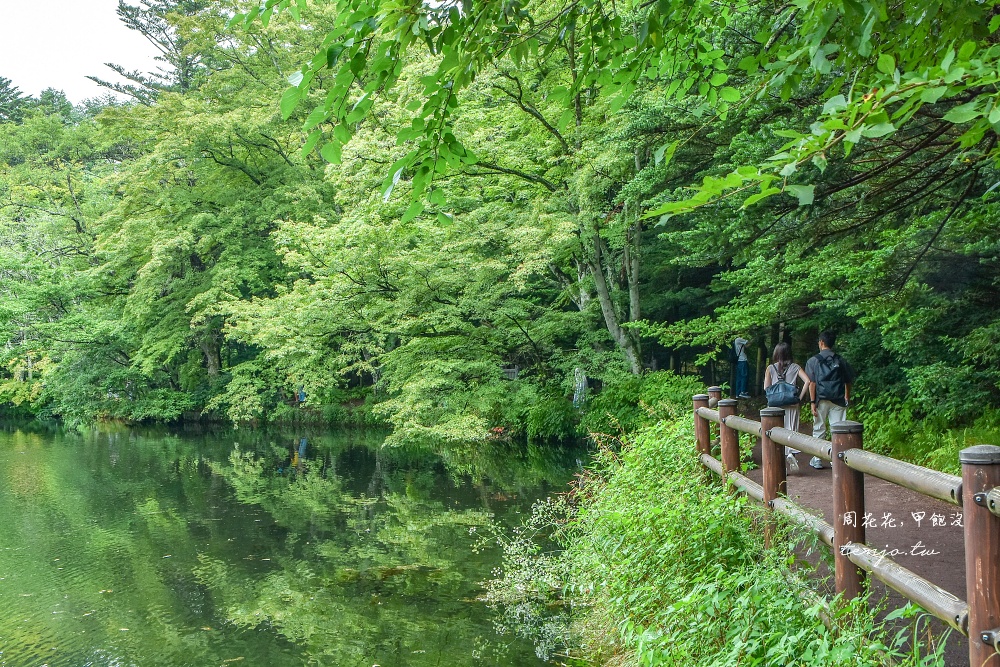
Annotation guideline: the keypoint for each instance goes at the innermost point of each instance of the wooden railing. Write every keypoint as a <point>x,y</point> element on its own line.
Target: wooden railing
<point>977,492</point>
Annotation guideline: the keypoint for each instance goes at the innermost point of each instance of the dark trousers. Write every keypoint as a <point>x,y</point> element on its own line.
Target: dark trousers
<point>742,372</point>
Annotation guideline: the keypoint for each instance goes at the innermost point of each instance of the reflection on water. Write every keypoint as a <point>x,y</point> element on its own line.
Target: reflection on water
<point>132,547</point>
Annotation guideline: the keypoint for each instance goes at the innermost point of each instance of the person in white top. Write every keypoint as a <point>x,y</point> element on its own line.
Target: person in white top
<point>742,367</point>
<point>783,368</point>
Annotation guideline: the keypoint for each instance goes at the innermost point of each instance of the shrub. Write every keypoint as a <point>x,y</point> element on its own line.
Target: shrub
<point>627,402</point>
<point>892,429</point>
<point>551,418</point>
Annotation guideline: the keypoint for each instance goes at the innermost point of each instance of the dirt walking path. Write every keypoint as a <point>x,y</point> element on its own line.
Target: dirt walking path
<point>922,534</point>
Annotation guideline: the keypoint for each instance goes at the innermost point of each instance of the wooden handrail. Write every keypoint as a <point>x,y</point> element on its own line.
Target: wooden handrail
<point>742,483</point>
<point>808,444</point>
<point>796,513</point>
<point>992,500</point>
<point>710,415</point>
<point>743,425</point>
<point>930,596</point>
<point>977,491</point>
<point>916,478</point>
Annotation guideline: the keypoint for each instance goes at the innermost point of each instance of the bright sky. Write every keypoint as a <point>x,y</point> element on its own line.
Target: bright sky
<point>57,43</point>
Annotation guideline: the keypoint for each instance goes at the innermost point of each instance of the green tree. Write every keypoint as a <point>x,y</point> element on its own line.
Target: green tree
<point>12,102</point>
<point>158,21</point>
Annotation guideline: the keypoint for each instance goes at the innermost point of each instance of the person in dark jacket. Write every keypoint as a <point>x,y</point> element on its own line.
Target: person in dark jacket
<point>830,380</point>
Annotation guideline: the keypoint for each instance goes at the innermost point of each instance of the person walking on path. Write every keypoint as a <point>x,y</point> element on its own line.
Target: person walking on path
<point>830,380</point>
<point>783,369</point>
<point>742,366</point>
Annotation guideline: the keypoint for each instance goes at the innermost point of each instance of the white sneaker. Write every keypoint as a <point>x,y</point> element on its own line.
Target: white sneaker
<point>815,462</point>
<point>791,465</point>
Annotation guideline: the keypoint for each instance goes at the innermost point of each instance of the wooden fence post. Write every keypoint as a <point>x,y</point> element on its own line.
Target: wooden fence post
<point>980,473</point>
<point>772,456</point>
<point>701,432</point>
<point>848,508</point>
<point>714,396</point>
<point>728,438</point>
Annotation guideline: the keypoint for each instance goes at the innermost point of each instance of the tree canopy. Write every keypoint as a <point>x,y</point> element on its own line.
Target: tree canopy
<point>472,221</point>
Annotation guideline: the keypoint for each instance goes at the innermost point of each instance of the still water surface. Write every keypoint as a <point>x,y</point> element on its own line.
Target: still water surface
<point>148,548</point>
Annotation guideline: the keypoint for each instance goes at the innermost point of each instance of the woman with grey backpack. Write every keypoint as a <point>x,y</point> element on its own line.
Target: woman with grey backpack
<point>782,390</point>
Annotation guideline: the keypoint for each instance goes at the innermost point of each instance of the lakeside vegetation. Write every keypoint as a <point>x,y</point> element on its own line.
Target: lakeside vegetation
<point>643,565</point>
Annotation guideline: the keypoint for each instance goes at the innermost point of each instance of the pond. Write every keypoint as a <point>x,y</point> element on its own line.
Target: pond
<point>141,547</point>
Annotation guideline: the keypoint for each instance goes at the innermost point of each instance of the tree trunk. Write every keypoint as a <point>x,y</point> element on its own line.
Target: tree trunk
<point>633,240</point>
<point>626,343</point>
<point>210,349</point>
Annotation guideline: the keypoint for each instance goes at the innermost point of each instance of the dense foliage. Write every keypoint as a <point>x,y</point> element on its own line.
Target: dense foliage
<point>470,221</point>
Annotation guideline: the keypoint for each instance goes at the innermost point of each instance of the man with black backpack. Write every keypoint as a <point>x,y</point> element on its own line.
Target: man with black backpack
<point>830,380</point>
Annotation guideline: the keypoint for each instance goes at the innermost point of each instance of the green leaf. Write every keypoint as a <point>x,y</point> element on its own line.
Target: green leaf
<point>665,153</point>
<point>317,116</point>
<point>878,130</point>
<point>835,104</point>
<point>964,113</point>
<point>753,199</point>
<point>565,119</point>
<point>333,55</point>
<point>967,50</point>
<point>342,133</point>
<point>718,79</point>
<point>729,94</point>
<point>949,58</point>
<point>295,78</point>
<point>932,95</point>
<point>886,64</point>
<point>357,64</point>
<point>804,193</point>
<point>954,75</point>
<point>289,101</point>
<point>412,211</point>
<point>311,142</point>
<point>331,152</point>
